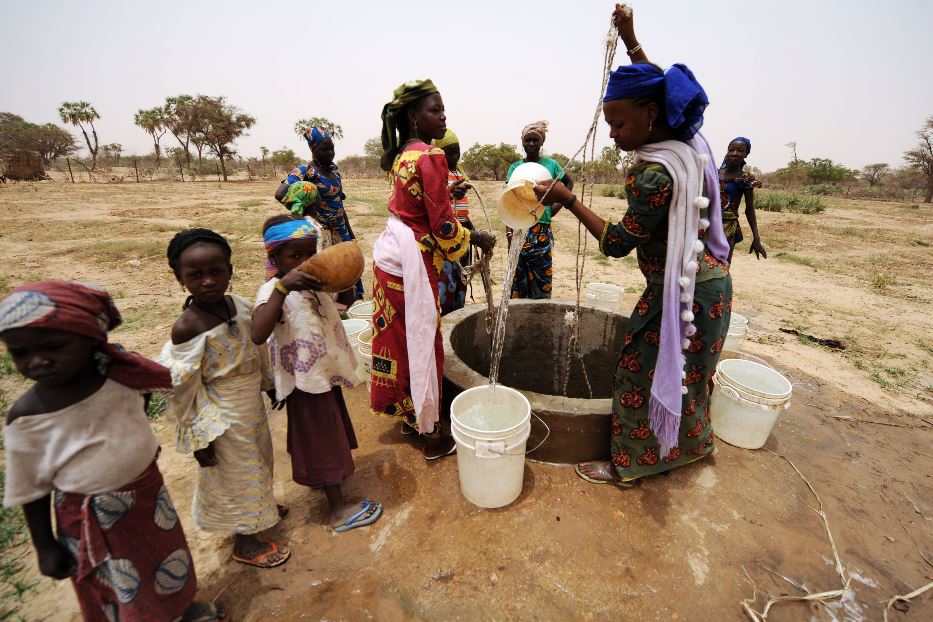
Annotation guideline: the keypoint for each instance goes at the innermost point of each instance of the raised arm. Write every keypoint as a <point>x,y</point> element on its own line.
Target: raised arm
<point>624,20</point>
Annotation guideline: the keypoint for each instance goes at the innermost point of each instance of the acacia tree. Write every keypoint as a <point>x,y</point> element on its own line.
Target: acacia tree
<point>181,121</point>
<point>873,173</point>
<point>223,125</point>
<point>264,151</point>
<point>495,160</point>
<point>79,114</point>
<point>153,122</point>
<point>373,147</point>
<point>921,156</point>
<point>50,140</point>
<point>284,157</point>
<point>327,125</point>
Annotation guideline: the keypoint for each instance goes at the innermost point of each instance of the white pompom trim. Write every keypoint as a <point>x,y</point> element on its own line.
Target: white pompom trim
<point>686,297</point>
<point>701,203</point>
<point>692,266</point>
<point>704,223</point>
<point>683,390</point>
<point>698,246</point>
<point>684,281</point>
<point>691,330</point>
<point>686,315</point>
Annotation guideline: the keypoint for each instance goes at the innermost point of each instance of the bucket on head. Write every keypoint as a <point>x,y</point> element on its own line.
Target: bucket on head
<point>604,296</point>
<point>491,428</point>
<point>735,333</point>
<point>361,310</point>
<point>353,327</point>
<point>518,205</point>
<point>746,401</point>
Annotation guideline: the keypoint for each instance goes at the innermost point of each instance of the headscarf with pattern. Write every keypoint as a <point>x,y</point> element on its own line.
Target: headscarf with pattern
<point>277,235</point>
<point>83,309</point>
<point>538,127</point>
<point>405,94</point>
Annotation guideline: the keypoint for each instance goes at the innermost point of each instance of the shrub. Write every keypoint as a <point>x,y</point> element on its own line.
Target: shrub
<point>780,202</point>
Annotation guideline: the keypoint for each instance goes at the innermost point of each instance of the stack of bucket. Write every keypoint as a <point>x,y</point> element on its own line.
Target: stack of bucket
<point>738,324</point>
<point>362,340</point>
<point>746,401</point>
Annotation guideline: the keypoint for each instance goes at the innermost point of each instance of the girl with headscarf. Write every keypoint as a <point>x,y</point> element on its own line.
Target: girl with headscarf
<point>534,270</point>
<point>322,172</point>
<point>451,290</point>
<point>421,233</point>
<point>660,410</point>
<point>734,183</point>
<point>78,444</point>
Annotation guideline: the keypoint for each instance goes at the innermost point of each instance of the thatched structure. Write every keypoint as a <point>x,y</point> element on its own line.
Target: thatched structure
<point>23,165</point>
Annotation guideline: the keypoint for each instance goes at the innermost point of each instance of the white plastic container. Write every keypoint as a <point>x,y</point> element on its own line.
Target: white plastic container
<point>491,453</point>
<point>364,352</point>
<point>353,327</point>
<point>518,205</point>
<point>746,401</point>
<point>365,336</point>
<point>605,296</point>
<point>361,310</point>
<point>738,324</point>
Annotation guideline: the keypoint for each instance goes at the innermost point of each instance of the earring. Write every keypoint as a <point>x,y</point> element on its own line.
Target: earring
<point>414,128</point>
<point>650,125</point>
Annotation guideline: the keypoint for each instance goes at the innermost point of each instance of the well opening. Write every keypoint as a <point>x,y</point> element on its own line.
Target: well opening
<point>534,361</point>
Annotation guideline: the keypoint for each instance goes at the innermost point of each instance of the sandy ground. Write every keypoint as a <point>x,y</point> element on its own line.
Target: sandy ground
<point>682,547</point>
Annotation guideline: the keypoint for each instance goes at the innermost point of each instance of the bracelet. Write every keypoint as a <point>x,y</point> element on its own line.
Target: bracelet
<point>633,50</point>
<point>281,288</point>
<point>573,199</point>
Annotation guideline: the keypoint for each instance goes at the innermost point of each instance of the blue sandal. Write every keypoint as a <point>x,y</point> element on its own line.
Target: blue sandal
<point>360,519</point>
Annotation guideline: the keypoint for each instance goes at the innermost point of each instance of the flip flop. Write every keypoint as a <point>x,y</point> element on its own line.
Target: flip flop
<point>352,522</point>
<point>592,480</point>
<point>260,560</point>
<point>407,430</point>
<point>452,450</point>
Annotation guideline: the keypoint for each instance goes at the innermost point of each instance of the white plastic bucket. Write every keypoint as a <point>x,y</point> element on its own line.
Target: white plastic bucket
<point>365,336</point>
<point>605,296</point>
<point>353,327</point>
<point>518,205</point>
<point>491,453</point>
<point>365,353</point>
<point>746,401</point>
<point>738,324</point>
<point>361,310</point>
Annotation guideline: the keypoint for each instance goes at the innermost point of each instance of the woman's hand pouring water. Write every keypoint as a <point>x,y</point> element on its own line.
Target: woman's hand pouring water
<point>556,194</point>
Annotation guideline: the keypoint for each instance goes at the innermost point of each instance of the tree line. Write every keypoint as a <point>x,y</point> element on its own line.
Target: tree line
<point>204,124</point>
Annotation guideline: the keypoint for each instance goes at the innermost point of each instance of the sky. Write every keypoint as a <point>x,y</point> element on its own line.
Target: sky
<point>842,78</point>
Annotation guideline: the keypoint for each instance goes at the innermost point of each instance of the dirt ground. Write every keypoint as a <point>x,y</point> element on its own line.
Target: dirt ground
<point>688,546</point>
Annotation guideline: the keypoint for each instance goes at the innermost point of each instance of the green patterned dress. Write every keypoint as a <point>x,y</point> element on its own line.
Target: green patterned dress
<point>635,450</point>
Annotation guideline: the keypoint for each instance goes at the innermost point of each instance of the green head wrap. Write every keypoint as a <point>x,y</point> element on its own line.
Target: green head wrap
<point>407,93</point>
<point>301,195</point>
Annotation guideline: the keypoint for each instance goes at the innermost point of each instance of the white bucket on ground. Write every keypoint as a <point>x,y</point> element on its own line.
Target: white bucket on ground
<point>361,310</point>
<point>605,296</point>
<point>738,324</point>
<point>365,336</point>
<point>353,327</point>
<point>746,401</point>
<point>491,430</point>
<point>365,353</point>
<point>518,205</point>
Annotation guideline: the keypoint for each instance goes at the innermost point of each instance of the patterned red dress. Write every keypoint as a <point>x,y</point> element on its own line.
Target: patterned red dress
<point>421,200</point>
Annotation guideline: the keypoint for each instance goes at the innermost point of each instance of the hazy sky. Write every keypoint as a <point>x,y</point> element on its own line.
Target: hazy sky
<point>844,78</point>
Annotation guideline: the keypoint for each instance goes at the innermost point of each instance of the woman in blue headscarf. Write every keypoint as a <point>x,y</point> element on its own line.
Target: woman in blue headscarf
<point>323,173</point>
<point>660,414</point>
<point>734,183</point>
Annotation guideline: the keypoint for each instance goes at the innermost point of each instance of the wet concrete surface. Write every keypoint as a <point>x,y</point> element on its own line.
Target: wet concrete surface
<point>673,548</point>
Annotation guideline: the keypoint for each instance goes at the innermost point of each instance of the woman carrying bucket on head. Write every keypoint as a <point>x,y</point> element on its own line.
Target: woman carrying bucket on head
<point>421,233</point>
<point>534,270</point>
<point>660,408</point>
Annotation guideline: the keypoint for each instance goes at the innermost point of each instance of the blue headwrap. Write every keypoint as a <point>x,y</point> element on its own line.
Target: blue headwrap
<point>684,98</point>
<point>279,234</point>
<point>742,139</point>
<point>315,136</point>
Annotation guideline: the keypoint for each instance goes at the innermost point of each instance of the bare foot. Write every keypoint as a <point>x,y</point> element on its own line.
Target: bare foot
<point>204,612</point>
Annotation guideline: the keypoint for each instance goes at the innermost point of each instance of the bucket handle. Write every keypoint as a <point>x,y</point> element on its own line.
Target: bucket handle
<point>734,395</point>
<point>505,451</point>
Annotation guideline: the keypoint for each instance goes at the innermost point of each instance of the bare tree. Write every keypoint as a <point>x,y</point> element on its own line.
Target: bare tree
<point>792,145</point>
<point>223,124</point>
<point>921,156</point>
<point>264,152</point>
<point>873,173</point>
<point>79,113</point>
<point>153,122</point>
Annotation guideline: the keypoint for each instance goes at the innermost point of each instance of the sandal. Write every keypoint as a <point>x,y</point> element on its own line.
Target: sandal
<point>260,560</point>
<point>366,516</point>
<point>407,430</point>
<point>441,452</point>
<point>603,471</point>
